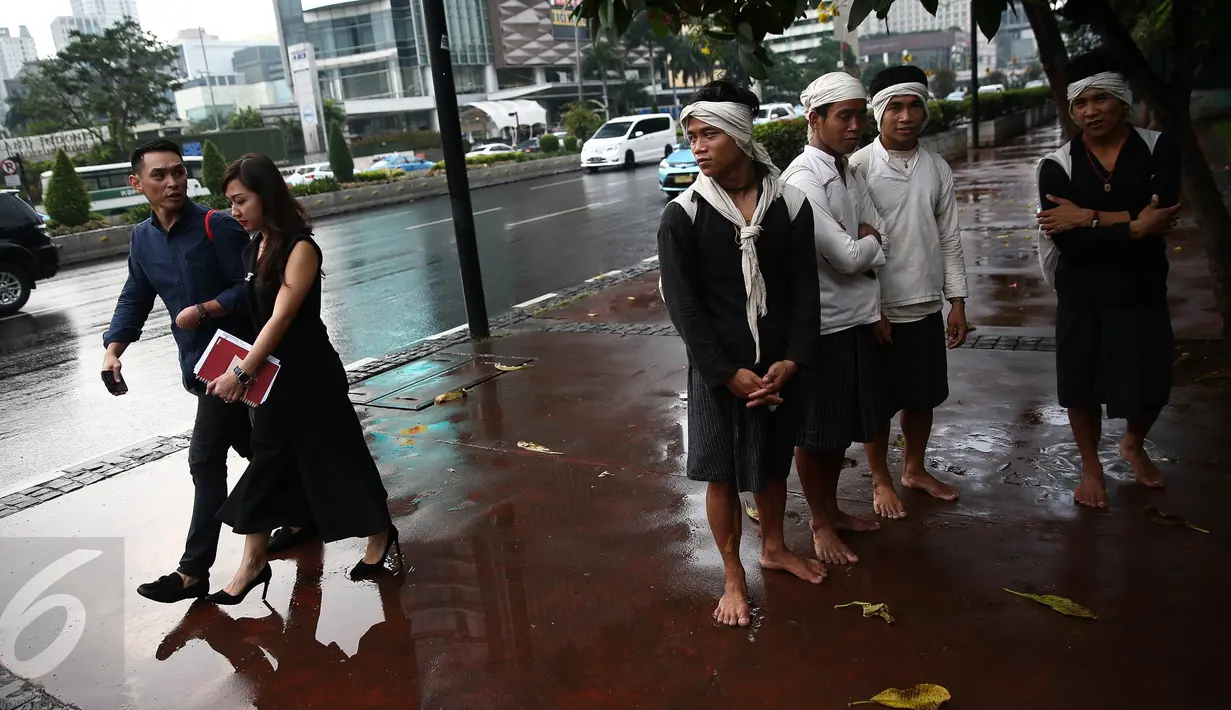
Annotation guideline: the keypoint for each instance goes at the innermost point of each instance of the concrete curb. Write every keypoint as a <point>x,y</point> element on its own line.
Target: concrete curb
<point>113,241</point>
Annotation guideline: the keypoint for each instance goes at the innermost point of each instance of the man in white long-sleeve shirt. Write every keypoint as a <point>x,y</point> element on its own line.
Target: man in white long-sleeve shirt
<point>912,189</point>
<point>844,392</point>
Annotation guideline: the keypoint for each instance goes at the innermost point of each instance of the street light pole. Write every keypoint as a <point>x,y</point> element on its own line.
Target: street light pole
<point>974,80</point>
<point>455,168</point>
<point>213,107</point>
<point>577,50</point>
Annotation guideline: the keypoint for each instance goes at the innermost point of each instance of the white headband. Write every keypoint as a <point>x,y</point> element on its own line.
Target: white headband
<point>1112,82</point>
<point>733,119</point>
<point>909,88</point>
<point>830,89</point>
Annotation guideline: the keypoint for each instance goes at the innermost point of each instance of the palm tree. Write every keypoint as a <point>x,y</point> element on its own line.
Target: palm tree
<point>603,58</point>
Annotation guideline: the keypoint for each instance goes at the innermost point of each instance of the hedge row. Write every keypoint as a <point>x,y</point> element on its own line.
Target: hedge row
<point>784,140</point>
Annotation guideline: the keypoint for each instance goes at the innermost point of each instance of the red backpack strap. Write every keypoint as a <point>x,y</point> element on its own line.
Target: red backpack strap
<point>209,231</point>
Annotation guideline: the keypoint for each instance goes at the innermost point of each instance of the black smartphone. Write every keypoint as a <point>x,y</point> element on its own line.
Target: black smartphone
<point>114,387</point>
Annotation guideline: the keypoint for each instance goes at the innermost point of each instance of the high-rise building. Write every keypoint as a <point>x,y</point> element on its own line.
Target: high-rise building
<point>371,55</point>
<point>15,52</point>
<point>91,17</point>
<point>910,18</point>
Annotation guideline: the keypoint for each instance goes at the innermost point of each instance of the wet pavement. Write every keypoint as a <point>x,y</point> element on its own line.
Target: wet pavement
<point>586,578</point>
<point>391,278</point>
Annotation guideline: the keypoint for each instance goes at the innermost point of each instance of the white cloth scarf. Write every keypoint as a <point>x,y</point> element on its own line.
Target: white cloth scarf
<point>830,89</point>
<point>911,88</point>
<point>1109,81</point>
<point>736,121</point>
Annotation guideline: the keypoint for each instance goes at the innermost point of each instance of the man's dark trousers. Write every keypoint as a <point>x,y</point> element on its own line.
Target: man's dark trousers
<point>219,426</point>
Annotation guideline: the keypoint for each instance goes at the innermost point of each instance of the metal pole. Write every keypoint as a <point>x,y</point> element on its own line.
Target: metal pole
<point>974,79</point>
<point>577,49</point>
<point>455,168</point>
<point>213,107</point>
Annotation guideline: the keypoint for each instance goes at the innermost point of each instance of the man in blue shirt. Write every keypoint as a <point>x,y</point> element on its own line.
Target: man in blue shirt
<point>197,270</point>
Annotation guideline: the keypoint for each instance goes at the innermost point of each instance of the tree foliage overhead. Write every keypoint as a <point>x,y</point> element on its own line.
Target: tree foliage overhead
<point>116,80</point>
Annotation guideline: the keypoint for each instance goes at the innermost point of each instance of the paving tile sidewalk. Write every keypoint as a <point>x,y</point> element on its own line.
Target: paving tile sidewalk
<point>585,578</point>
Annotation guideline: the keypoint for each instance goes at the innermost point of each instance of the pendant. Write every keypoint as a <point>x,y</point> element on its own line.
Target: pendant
<point>1106,187</point>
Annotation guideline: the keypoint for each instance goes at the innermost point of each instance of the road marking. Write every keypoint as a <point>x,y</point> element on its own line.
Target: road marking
<point>607,275</point>
<point>59,308</point>
<point>554,184</point>
<point>533,301</point>
<point>447,333</point>
<point>650,260</point>
<point>359,363</point>
<point>450,219</point>
<point>592,205</point>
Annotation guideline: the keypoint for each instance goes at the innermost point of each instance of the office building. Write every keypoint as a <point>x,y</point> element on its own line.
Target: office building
<point>91,17</point>
<point>15,53</point>
<point>917,32</point>
<point>807,33</point>
<point>259,63</point>
<point>372,56</point>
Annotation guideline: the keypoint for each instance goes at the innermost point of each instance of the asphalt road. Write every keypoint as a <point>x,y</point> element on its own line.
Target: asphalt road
<point>391,277</point>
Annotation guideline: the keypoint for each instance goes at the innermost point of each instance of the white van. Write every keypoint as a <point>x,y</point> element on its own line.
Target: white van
<point>629,140</point>
<point>775,112</point>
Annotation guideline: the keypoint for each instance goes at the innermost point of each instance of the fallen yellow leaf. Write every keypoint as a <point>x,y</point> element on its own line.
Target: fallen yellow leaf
<point>1068,607</point>
<point>1178,521</point>
<point>416,429</point>
<point>1178,249</point>
<point>531,446</point>
<point>510,368</point>
<point>752,513</point>
<point>870,610</point>
<point>450,396</point>
<point>924,696</point>
<point>899,442</point>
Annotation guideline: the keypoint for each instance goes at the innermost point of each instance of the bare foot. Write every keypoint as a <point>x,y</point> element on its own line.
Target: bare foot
<point>1092,491</point>
<point>786,561</point>
<point>921,480</point>
<point>1148,474</point>
<point>852,523</point>
<point>830,548</point>
<point>885,501</point>
<point>733,606</point>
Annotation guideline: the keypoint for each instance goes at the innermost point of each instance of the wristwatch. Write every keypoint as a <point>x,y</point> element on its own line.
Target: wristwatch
<point>202,314</point>
<point>244,378</point>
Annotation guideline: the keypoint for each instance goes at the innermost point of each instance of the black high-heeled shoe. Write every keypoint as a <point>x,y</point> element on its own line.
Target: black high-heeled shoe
<point>367,569</point>
<point>223,599</point>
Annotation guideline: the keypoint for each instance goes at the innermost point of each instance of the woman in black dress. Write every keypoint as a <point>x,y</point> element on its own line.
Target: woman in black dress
<point>310,461</point>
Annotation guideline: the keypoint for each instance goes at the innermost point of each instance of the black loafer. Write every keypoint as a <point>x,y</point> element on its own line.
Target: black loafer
<point>284,539</point>
<point>170,589</point>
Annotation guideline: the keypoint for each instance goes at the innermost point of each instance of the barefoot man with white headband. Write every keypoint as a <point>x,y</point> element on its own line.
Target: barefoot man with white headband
<point>739,279</point>
<point>844,393</point>
<point>1109,197</point>
<point>912,189</point>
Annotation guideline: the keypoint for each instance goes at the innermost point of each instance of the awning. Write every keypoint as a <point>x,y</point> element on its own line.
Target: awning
<point>501,113</point>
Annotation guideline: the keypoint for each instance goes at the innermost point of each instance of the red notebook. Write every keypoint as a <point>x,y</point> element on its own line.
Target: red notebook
<point>226,351</point>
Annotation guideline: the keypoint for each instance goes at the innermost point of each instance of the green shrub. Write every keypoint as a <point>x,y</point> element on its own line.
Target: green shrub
<point>316,187</point>
<point>59,230</point>
<point>379,176</point>
<point>783,140</point>
<point>136,215</point>
<point>570,144</point>
<point>67,200</point>
<point>214,201</point>
<point>213,165</point>
<point>340,161</point>
<point>549,143</point>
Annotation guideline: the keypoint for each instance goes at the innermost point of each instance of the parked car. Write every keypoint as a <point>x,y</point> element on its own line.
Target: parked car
<point>678,170</point>
<point>629,140</point>
<point>530,146</point>
<point>397,161</point>
<point>957,95</point>
<point>297,175</point>
<point>27,253</point>
<point>991,89</point>
<point>1035,84</point>
<point>317,171</point>
<point>491,149</point>
<point>775,112</point>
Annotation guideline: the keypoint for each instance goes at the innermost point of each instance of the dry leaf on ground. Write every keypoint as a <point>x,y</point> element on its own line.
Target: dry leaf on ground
<point>924,696</point>
<point>450,396</point>
<point>1068,607</point>
<point>870,610</point>
<point>1179,521</point>
<point>752,513</point>
<point>510,368</point>
<point>531,446</point>
<point>416,429</point>
<point>899,443</point>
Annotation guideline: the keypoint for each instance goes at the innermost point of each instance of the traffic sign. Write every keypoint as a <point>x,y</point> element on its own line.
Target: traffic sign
<point>12,177</point>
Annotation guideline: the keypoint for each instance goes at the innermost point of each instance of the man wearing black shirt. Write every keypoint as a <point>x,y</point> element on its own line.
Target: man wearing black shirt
<point>1109,197</point>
